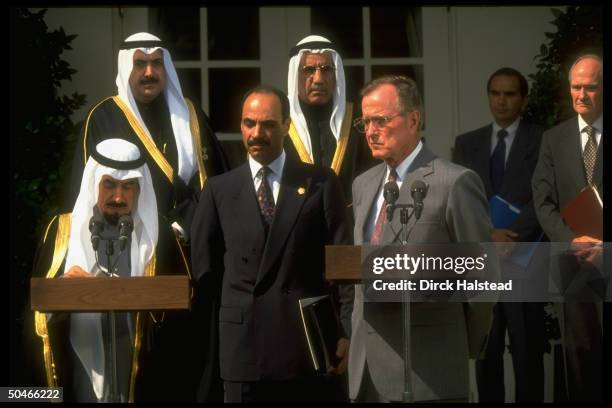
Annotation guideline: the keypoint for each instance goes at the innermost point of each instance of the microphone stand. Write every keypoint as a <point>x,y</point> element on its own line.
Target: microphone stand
<point>114,380</point>
<point>408,394</point>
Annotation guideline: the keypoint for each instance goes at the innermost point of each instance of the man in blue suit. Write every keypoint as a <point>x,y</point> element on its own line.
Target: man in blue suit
<point>504,154</point>
<point>258,246</point>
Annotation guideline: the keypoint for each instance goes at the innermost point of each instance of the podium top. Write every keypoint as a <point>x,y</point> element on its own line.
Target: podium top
<point>169,292</point>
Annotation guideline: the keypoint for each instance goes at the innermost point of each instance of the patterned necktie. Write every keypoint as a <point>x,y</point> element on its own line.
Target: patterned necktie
<point>265,197</point>
<point>380,220</point>
<point>589,155</point>
<point>498,161</point>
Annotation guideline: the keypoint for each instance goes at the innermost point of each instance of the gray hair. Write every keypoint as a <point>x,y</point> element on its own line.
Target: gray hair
<point>407,91</point>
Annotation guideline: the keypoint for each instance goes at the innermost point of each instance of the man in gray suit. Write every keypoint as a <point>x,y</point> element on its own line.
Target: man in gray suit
<point>571,158</point>
<point>444,335</point>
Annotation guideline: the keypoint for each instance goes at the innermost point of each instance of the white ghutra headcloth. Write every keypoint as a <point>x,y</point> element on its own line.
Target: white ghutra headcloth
<point>315,44</point>
<point>120,160</point>
<point>179,113</point>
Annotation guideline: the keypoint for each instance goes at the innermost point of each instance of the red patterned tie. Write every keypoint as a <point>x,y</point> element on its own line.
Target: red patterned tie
<point>380,220</point>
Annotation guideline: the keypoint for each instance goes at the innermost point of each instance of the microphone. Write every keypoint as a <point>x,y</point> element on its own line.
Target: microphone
<point>418,191</point>
<point>96,225</point>
<point>390,194</point>
<point>126,226</point>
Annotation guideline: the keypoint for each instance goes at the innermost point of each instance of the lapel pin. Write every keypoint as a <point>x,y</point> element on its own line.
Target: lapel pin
<point>301,190</point>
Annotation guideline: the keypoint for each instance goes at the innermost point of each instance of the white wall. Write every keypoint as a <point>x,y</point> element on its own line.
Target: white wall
<point>463,46</point>
<point>488,38</point>
<point>94,50</point>
<point>91,54</point>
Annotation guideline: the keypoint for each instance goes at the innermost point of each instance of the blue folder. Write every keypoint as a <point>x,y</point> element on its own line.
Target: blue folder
<point>523,251</point>
<point>503,214</point>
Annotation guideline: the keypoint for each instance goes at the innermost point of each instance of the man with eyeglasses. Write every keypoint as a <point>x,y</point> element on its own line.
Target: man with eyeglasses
<point>444,335</point>
<point>321,117</point>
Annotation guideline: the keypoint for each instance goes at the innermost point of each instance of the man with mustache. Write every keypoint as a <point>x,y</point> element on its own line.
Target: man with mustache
<point>258,246</point>
<point>116,182</point>
<point>180,149</point>
<point>571,158</point>
<point>321,117</point>
<point>151,112</point>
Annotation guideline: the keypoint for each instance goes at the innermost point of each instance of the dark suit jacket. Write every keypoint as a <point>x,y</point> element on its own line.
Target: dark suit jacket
<point>473,150</point>
<point>259,282</point>
<point>559,177</point>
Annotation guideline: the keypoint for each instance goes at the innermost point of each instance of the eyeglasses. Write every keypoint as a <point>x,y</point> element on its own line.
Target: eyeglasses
<point>379,122</point>
<point>309,70</point>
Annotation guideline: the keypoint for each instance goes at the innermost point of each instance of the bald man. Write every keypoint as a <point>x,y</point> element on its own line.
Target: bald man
<point>571,158</point>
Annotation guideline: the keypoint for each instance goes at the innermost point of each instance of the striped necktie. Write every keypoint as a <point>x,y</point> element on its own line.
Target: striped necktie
<point>380,220</point>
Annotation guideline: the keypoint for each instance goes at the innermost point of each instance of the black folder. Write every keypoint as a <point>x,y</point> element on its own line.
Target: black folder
<point>321,327</point>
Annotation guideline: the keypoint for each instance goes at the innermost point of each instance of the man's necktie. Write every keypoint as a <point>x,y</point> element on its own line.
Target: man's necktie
<point>498,161</point>
<point>380,220</point>
<point>589,155</point>
<point>265,197</point>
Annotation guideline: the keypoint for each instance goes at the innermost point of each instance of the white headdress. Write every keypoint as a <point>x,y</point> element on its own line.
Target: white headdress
<point>127,163</point>
<point>179,113</point>
<point>315,44</point>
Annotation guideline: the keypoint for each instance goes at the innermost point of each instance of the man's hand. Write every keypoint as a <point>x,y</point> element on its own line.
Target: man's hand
<point>342,353</point>
<point>179,233</point>
<point>506,238</point>
<point>76,272</point>
<point>587,248</point>
<point>503,235</point>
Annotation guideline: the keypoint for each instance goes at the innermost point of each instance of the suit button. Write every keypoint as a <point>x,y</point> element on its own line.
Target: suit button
<point>245,259</point>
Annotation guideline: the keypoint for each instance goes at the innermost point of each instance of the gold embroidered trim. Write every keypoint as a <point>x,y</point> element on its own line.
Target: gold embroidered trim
<point>345,131</point>
<point>85,155</point>
<point>146,140</point>
<point>40,319</point>
<point>48,228</point>
<point>149,271</point>
<point>343,139</point>
<point>299,145</point>
<point>197,141</point>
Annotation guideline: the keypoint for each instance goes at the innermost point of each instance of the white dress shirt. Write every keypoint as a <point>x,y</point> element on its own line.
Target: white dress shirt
<point>508,140</point>
<point>274,176</point>
<point>401,170</point>
<point>597,125</point>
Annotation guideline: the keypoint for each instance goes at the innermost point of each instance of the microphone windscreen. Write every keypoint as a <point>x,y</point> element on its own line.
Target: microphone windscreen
<point>391,192</point>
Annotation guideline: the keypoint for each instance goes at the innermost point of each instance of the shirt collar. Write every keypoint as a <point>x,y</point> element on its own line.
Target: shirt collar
<point>598,124</point>
<point>510,129</point>
<point>276,166</point>
<point>402,168</point>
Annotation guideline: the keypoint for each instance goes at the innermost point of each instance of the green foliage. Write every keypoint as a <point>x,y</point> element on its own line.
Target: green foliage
<point>42,131</point>
<point>579,31</point>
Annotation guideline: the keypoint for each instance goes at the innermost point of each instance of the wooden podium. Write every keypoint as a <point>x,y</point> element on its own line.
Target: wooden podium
<point>105,294</point>
<point>343,263</point>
